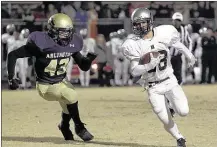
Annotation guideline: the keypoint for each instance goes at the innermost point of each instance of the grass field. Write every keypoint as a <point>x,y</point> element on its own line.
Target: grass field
<point>118,117</point>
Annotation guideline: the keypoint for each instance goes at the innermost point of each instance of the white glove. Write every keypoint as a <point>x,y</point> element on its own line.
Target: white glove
<point>192,61</point>
<point>154,62</point>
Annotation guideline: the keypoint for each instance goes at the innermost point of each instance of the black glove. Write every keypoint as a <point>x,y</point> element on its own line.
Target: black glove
<point>92,56</point>
<point>13,84</point>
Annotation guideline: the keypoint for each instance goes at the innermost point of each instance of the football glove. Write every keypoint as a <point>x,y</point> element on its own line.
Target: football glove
<point>13,84</point>
<point>153,62</point>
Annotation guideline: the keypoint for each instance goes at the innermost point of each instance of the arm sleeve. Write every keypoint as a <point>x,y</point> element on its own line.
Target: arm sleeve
<point>84,63</point>
<point>183,49</point>
<point>27,50</point>
<point>136,69</point>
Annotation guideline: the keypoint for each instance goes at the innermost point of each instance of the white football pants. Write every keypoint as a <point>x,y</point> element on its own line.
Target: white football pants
<point>84,77</point>
<point>121,71</point>
<point>158,96</point>
<point>21,69</point>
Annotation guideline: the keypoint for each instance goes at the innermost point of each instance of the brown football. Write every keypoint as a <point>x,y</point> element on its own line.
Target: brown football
<point>147,57</point>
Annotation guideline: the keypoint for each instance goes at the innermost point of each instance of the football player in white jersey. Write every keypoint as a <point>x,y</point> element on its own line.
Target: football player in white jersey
<point>121,62</point>
<point>115,45</point>
<point>89,45</point>
<point>8,38</point>
<point>22,63</point>
<point>111,59</point>
<point>10,28</point>
<point>157,74</point>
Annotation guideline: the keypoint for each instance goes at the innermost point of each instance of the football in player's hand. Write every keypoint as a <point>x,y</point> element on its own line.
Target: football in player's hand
<point>147,57</point>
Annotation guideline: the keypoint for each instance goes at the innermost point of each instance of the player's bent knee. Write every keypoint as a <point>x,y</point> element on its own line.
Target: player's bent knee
<point>157,110</point>
<point>184,112</point>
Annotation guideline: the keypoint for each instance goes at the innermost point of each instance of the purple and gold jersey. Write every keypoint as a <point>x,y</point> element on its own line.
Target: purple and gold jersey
<point>51,58</point>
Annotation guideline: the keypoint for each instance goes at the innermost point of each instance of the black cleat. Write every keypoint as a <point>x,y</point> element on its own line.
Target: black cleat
<point>83,133</point>
<point>67,134</point>
<point>181,142</point>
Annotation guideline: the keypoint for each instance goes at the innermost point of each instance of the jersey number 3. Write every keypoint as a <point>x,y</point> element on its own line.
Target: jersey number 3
<point>163,61</point>
<point>57,67</point>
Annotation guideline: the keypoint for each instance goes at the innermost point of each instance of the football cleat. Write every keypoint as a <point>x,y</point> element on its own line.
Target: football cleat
<point>181,142</point>
<point>83,133</point>
<point>67,134</point>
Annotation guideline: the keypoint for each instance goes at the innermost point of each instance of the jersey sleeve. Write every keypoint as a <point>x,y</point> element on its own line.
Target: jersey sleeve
<point>39,39</point>
<point>168,34</point>
<point>174,35</point>
<point>130,50</point>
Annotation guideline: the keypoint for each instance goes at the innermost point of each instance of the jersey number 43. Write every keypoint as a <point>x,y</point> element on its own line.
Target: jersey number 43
<point>57,67</point>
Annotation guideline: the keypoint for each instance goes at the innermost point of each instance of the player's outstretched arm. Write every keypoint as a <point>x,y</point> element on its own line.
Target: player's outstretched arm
<point>21,52</point>
<point>183,49</point>
<point>84,62</point>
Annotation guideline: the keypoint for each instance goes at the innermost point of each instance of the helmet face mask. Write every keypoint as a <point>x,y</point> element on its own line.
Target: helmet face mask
<point>142,27</point>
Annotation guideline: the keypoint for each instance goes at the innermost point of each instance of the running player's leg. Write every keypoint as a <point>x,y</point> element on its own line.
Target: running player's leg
<point>125,71</point>
<point>118,71</point>
<point>159,106</point>
<point>178,99</point>
<point>87,78</point>
<point>53,93</point>
<point>23,72</point>
<point>69,97</point>
<point>81,77</point>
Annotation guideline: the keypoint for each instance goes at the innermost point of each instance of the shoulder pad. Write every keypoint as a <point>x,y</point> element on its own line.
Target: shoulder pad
<point>168,34</point>
<point>77,41</point>
<point>130,49</point>
<point>40,39</point>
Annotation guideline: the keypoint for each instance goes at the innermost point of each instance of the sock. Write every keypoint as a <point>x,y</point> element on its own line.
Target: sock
<point>74,113</point>
<point>173,130</point>
<point>65,119</point>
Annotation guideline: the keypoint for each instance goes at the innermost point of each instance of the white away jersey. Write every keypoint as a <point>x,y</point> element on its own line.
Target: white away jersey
<point>164,36</point>
<point>116,45</point>
<point>9,40</point>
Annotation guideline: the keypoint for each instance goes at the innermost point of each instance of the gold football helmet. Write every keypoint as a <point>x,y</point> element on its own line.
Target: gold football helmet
<point>60,28</point>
